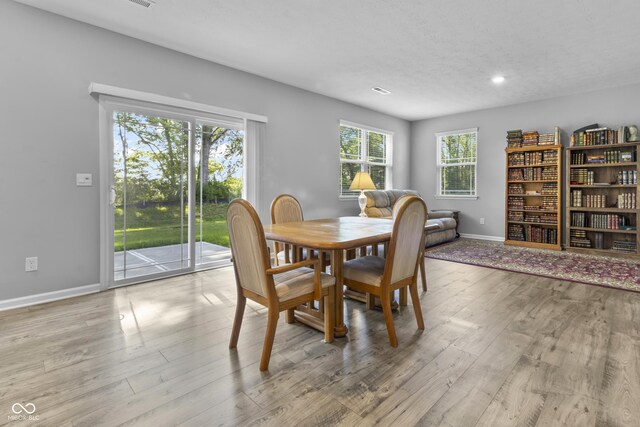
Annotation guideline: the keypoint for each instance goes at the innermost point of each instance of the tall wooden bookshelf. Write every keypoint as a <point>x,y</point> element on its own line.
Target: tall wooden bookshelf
<point>602,197</point>
<point>533,197</point>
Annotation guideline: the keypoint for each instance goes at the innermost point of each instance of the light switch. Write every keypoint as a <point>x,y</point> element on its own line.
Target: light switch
<point>84,179</point>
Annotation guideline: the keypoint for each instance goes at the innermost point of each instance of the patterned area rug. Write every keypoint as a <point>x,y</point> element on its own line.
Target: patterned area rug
<point>619,273</point>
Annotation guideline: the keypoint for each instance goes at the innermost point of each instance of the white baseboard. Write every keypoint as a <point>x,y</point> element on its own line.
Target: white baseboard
<point>9,304</point>
<point>482,237</point>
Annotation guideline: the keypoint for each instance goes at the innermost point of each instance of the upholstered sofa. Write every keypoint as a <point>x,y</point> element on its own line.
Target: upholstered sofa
<point>380,205</point>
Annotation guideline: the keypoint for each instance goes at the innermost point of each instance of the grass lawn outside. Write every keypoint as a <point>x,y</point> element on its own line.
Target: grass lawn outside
<point>159,225</point>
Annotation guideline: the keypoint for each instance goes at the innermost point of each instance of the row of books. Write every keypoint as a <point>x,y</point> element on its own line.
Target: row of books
<point>532,233</point>
<point>581,176</point>
<point>544,218</point>
<point>578,219</point>
<point>578,239</point>
<point>514,138</point>
<point>609,156</point>
<point>533,158</point>
<point>627,177</point>
<point>581,200</point>
<point>515,189</point>
<point>547,139</point>
<point>529,138</point>
<point>627,201</point>
<point>624,246</point>
<point>550,189</point>
<point>587,177</point>
<point>607,221</point>
<point>516,202</point>
<point>550,174</point>
<point>599,136</point>
<point>549,203</point>
<point>516,216</point>
<point>518,138</point>
<point>534,174</point>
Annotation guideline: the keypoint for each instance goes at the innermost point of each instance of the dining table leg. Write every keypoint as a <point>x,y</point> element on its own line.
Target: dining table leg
<point>337,260</point>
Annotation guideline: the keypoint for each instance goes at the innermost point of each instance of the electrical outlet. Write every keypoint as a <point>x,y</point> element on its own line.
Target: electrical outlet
<point>481,221</point>
<point>31,263</point>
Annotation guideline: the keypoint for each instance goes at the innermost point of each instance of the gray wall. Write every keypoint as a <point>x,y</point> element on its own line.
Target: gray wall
<point>50,132</point>
<point>611,107</point>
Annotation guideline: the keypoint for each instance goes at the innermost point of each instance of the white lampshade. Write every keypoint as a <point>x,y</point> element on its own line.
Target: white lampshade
<point>362,181</point>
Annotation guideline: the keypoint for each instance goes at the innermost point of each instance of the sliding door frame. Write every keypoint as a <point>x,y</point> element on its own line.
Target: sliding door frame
<point>107,106</point>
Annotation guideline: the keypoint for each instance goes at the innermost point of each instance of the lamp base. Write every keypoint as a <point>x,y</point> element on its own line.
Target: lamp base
<point>362,201</point>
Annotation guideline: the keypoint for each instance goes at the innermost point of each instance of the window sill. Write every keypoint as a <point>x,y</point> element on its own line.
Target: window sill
<point>455,197</point>
<point>347,198</point>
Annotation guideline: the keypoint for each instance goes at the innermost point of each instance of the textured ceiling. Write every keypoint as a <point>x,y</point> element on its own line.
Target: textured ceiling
<point>436,57</point>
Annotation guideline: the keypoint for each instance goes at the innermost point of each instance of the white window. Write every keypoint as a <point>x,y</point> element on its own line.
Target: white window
<point>365,149</point>
<point>456,163</point>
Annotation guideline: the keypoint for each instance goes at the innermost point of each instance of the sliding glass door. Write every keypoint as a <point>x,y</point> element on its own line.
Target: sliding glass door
<point>219,160</point>
<point>150,184</point>
<point>172,177</point>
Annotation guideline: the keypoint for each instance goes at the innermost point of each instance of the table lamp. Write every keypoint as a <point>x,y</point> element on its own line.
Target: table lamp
<point>362,181</point>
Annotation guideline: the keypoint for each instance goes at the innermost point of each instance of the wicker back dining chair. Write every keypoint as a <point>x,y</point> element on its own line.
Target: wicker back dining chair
<point>381,277</point>
<point>284,208</point>
<point>280,288</point>
<point>423,274</point>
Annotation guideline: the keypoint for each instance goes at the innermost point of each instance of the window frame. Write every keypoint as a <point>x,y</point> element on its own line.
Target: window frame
<point>364,154</point>
<point>440,166</point>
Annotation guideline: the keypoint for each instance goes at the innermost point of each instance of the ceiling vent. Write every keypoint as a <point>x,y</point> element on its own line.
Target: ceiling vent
<point>144,3</point>
<point>378,89</point>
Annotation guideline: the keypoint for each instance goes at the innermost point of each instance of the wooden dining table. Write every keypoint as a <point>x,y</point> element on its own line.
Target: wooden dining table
<point>335,236</point>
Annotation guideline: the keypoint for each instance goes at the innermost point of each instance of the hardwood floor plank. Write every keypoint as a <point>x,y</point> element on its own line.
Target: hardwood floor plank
<point>234,411</point>
<point>521,398</point>
<point>420,392</point>
<point>568,410</point>
<point>60,413</point>
<point>468,397</point>
<point>55,388</point>
<point>499,348</point>
<point>382,371</point>
<point>619,400</point>
<point>307,406</point>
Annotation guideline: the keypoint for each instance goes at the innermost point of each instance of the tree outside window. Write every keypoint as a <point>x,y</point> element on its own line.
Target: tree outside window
<point>366,150</point>
<point>456,163</point>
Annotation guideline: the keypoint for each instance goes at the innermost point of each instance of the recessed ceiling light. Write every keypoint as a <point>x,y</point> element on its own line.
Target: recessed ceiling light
<point>381,90</point>
<point>498,79</point>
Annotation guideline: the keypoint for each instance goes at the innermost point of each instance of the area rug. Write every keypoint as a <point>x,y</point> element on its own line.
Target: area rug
<point>598,270</point>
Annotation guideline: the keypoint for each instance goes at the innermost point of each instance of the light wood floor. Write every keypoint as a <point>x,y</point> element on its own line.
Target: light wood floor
<point>500,348</point>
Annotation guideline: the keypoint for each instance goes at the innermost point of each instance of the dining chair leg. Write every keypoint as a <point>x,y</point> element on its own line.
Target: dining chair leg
<point>237,321</point>
<point>371,301</point>
<point>272,324</point>
<point>388,318</point>
<point>423,275</point>
<point>325,260</point>
<point>403,297</point>
<point>329,316</point>
<point>417,309</point>
<point>275,252</point>
<point>290,316</point>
